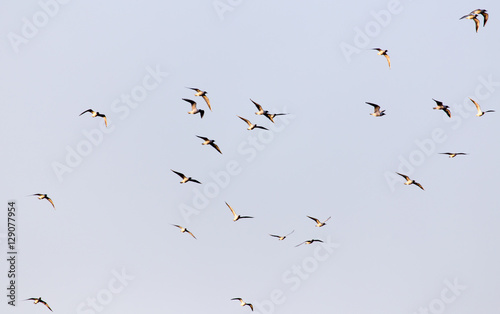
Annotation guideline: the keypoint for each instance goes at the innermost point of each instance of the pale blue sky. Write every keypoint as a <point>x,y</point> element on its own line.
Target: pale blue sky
<point>109,246</point>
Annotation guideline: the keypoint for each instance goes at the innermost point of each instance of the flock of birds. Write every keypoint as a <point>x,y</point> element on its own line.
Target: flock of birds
<point>377,112</point>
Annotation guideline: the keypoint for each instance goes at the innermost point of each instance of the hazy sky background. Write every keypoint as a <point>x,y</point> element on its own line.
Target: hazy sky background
<point>392,248</point>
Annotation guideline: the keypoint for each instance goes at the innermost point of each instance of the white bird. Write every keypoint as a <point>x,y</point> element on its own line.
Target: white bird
<point>194,110</point>
<point>472,16</point>
<point>440,106</point>
<point>243,303</point>
<point>203,94</point>
<point>96,114</point>
<point>252,126</point>
<point>236,217</point>
<point>39,300</point>
<point>452,155</point>
<point>309,242</point>
<point>281,238</point>
<point>44,196</point>
<point>184,230</point>
<point>319,223</point>
<point>184,178</point>
<point>376,110</point>
<point>210,142</point>
<point>410,181</point>
<point>266,113</point>
<point>483,13</point>
<point>382,52</point>
<point>479,111</point>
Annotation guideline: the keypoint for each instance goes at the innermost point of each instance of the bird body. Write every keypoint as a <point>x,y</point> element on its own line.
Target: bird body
<point>440,106</point>
<point>39,300</point>
<point>382,52</point>
<point>203,94</point>
<point>96,114</point>
<point>309,242</point>
<point>194,110</point>
<point>184,178</point>
<point>243,303</point>
<point>452,155</point>
<point>210,142</point>
<point>376,110</point>
<point>183,229</point>
<point>281,238</point>
<point>410,181</point>
<point>252,126</point>
<point>318,222</point>
<point>479,111</point>
<point>236,217</point>
<point>44,196</point>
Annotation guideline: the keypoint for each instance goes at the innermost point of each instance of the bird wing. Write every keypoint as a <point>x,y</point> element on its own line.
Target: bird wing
<point>439,103</point>
<point>46,305</point>
<point>207,101</point>
<point>327,219</point>
<point>48,199</point>
<point>31,299</point>
<point>477,23</point>
<point>300,244</point>
<point>190,233</point>
<point>446,153</point>
<point>257,105</point>
<point>246,217</point>
<point>192,102</point>
<point>418,184</point>
<point>202,113</point>
<point>274,235</point>
<point>406,177</point>
<point>105,120</point>
<point>195,181</point>
<point>489,111</point>
<point>203,138</point>
<point>290,233</point>
<point>195,89</point>
<point>179,174</point>
<point>88,110</point>
<point>388,60</point>
<point>261,127</point>
<point>232,210</point>
<point>250,305</point>
<point>448,112</point>
<point>378,49</point>
<point>269,116</point>
<point>485,15</point>
<point>216,147</point>
<point>248,122</point>
<point>317,221</point>
<point>477,105</point>
<point>239,299</point>
<point>376,107</point>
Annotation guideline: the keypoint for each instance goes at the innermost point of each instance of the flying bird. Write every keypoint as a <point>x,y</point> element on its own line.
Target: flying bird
<point>252,126</point>
<point>243,303</point>
<point>184,230</point>
<point>266,113</point>
<point>309,242</point>
<point>194,110</point>
<point>472,16</point>
<point>479,111</point>
<point>409,181</point>
<point>376,110</point>
<point>440,106</point>
<point>383,53</point>
<point>281,238</point>
<point>39,300</point>
<point>44,196</point>
<point>203,94</point>
<point>96,114</point>
<point>319,223</point>
<point>236,217</point>
<point>184,178</point>
<point>452,155</point>
<point>210,142</point>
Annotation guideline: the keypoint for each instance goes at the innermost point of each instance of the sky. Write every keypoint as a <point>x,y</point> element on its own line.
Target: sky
<point>110,245</point>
